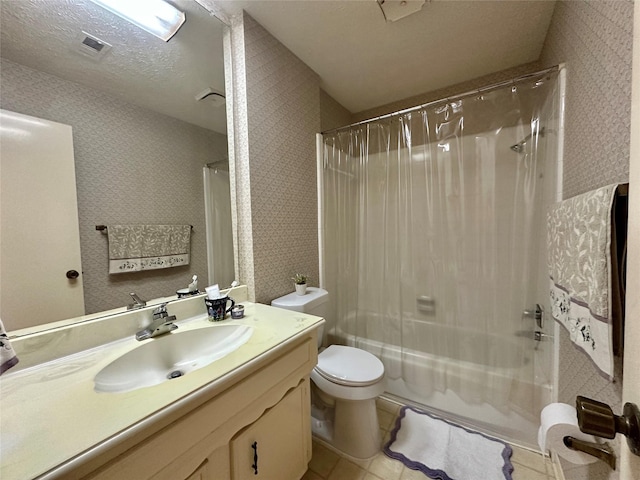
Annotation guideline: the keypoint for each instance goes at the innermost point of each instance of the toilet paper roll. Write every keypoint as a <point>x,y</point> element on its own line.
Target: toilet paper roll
<point>557,421</point>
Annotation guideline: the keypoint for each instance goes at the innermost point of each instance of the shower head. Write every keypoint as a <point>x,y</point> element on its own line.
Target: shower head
<point>519,147</point>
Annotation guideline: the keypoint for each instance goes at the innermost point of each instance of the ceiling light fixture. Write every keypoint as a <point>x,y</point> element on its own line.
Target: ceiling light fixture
<point>154,16</point>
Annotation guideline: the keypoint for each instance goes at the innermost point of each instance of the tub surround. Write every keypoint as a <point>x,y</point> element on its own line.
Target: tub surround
<point>54,424</point>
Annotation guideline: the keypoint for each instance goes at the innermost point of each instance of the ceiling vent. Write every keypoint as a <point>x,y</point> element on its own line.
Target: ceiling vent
<point>396,9</point>
<point>91,46</point>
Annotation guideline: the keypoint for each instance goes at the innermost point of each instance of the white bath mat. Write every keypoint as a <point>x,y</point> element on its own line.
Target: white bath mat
<point>444,451</point>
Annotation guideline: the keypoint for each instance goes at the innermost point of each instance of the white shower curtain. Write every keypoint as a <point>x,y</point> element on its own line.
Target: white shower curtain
<point>217,200</point>
<point>431,230</point>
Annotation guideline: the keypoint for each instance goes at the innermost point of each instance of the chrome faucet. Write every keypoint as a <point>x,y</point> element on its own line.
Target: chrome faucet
<point>537,314</point>
<point>161,323</point>
<point>539,336</point>
<point>137,302</point>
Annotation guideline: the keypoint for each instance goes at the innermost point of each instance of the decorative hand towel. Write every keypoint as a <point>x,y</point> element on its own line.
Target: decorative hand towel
<point>8,357</point>
<point>579,238</point>
<point>133,248</point>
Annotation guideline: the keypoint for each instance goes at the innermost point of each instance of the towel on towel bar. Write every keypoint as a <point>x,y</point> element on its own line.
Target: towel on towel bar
<point>8,356</point>
<point>582,275</point>
<point>133,248</point>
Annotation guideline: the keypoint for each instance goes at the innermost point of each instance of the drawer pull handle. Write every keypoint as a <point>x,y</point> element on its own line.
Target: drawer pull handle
<point>255,458</point>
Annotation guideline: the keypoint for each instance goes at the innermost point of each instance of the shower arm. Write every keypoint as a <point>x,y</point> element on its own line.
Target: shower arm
<point>519,147</point>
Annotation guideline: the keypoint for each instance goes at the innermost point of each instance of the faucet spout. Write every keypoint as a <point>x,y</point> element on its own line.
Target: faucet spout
<point>161,323</point>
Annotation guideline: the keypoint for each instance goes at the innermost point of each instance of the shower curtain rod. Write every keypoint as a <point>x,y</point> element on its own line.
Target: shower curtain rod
<point>217,163</point>
<point>447,99</point>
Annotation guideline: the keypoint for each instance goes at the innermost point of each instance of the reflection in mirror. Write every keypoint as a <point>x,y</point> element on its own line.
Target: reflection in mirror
<point>144,145</point>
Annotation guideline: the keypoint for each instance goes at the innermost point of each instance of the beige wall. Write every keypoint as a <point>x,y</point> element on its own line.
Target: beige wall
<point>594,40</point>
<point>332,113</point>
<point>132,166</point>
<point>280,115</point>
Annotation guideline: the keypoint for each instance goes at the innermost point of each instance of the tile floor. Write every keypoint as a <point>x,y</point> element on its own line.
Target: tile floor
<point>326,464</point>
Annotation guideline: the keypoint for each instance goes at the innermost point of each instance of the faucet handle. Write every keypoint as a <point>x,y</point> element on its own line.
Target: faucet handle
<point>160,311</point>
<point>137,302</point>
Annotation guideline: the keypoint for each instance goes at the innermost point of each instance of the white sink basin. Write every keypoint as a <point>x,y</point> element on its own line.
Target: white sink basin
<point>170,356</point>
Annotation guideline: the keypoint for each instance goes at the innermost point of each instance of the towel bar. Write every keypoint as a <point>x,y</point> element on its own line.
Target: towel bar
<point>104,227</point>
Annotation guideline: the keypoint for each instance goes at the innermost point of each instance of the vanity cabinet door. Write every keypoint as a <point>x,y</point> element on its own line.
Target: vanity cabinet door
<point>192,465</point>
<point>201,473</point>
<point>278,444</point>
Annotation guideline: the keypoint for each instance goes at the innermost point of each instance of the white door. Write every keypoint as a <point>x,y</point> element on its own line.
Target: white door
<point>630,463</point>
<point>39,234</point>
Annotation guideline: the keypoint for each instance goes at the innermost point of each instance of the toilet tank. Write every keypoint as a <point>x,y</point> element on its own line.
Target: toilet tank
<point>314,302</point>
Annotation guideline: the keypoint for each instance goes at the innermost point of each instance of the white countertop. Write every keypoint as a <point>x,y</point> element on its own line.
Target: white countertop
<point>50,412</point>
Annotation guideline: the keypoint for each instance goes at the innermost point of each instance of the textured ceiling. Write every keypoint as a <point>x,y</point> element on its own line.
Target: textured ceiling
<point>139,68</point>
<point>364,62</point>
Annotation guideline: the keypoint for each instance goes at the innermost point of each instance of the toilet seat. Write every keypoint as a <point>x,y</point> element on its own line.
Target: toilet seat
<point>349,366</point>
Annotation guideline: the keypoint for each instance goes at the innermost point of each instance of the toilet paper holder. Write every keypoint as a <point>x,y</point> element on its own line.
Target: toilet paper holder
<point>597,418</point>
<point>597,450</point>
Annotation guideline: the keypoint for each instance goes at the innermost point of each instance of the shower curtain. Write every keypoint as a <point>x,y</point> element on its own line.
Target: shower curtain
<point>431,237</point>
<point>217,201</point>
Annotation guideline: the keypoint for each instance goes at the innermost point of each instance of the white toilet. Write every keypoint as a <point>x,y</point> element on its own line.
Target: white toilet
<point>347,382</point>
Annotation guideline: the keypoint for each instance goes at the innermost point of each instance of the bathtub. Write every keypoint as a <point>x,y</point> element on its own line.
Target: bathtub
<point>489,385</point>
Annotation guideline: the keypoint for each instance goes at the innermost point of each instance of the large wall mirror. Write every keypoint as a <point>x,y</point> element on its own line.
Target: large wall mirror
<point>149,147</point>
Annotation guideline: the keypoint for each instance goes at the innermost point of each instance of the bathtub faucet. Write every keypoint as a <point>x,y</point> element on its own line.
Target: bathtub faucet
<point>539,336</point>
<point>537,314</point>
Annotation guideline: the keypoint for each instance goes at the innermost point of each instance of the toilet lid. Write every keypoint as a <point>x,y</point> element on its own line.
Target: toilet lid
<point>349,366</point>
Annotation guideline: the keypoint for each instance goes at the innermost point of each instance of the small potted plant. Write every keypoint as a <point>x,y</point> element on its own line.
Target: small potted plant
<point>301,283</point>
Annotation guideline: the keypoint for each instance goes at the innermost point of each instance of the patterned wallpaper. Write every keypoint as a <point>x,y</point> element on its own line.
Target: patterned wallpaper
<point>282,118</point>
<point>594,40</point>
<point>132,166</point>
<point>239,161</point>
<point>332,113</point>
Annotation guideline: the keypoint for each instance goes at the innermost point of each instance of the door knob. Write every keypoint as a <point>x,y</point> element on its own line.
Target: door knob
<point>597,418</point>
<point>72,274</point>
